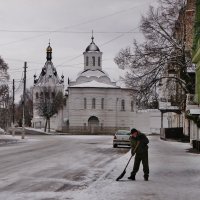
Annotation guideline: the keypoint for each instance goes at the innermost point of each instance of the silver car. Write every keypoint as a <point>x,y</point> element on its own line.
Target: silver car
<point>121,137</point>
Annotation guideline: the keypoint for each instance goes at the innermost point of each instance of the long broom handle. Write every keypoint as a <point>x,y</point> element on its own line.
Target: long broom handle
<point>132,155</point>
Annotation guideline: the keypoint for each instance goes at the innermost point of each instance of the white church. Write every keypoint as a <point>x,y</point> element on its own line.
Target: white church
<point>94,103</point>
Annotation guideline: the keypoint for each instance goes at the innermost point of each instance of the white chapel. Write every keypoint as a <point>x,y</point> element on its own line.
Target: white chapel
<point>94,103</point>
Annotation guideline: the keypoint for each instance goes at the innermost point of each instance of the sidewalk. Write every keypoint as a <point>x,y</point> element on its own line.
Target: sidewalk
<point>8,139</point>
<point>174,175</point>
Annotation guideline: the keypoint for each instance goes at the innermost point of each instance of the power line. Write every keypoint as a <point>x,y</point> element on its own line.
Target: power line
<point>61,65</point>
<point>113,39</point>
<point>57,66</point>
<point>78,56</point>
<point>68,27</point>
<point>68,32</point>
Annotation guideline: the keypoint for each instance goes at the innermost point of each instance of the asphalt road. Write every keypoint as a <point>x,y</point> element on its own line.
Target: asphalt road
<point>55,163</point>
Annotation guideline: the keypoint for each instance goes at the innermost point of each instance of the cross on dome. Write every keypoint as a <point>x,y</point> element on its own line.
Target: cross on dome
<point>92,46</point>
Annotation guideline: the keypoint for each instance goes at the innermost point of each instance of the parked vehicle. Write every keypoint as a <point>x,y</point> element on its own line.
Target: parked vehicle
<point>121,137</point>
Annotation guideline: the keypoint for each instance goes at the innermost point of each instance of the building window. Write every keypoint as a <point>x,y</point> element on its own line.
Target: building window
<point>36,95</point>
<point>93,60</point>
<point>102,103</point>
<point>47,95</point>
<point>99,61</point>
<point>87,60</point>
<point>132,106</point>
<point>93,103</point>
<point>101,126</point>
<point>85,126</point>
<point>85,103</point>
<point>122,105</point>
<point>53,95</point>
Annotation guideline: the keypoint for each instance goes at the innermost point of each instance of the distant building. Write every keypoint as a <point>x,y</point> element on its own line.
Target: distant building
<point>194,110</point>
<point>94,104</point>
<point>50,81</point>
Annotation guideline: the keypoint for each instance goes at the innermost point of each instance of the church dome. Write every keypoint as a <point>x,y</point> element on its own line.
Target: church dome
<point>49,52</point>
<point>92,46</point>
<point>49,49</point>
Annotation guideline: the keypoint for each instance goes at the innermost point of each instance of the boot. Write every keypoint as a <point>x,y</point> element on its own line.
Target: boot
<point>146,177</point>
<point>131,177</point>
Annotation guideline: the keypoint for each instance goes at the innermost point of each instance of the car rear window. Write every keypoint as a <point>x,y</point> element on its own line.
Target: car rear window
<point>121,132</point>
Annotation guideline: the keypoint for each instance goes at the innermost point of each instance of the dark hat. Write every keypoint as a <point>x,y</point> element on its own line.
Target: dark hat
<point>134,130</point>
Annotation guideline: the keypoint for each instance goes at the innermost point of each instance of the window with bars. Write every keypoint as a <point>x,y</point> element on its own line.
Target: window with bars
<point>123,105</point>
<point>85,103</point>
<point>87,60</point>
<point>93,60</point>
<point>132,106</point>
<point>93,103</point>
<point>102,103</point>
<point>99,61</point>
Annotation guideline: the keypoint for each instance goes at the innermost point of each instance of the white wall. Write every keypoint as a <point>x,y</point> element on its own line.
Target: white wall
<point>149,121</point>
<point>110,116</point>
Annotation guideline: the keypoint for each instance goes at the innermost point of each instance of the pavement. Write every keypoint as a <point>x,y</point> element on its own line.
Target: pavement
<point>8,139</point>
<point>11,139</point>
<point>174,175</point>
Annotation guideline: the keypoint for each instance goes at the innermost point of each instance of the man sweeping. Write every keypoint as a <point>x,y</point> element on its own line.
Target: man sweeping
<point>140,141</point>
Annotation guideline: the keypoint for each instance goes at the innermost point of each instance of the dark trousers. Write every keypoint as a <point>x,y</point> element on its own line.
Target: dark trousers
<point>145,162</point>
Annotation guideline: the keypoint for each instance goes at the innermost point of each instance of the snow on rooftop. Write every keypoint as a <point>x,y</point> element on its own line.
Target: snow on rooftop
<point>94,84</point>
<point>96,73</point>
<point>90,73</point>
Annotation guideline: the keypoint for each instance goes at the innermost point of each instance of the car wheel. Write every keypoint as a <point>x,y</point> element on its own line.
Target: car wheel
<point>114,145</point>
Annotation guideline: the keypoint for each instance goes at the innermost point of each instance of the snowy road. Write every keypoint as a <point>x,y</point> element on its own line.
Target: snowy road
<point>57,164</point>
<point>85,167</point>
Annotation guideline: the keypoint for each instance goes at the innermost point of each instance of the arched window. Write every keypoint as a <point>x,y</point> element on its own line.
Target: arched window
<point>87,60</point>
<point>85,103</point>
<point>41,94</point>
<point>36,95</point>
<point>47,95</point>
<point>102,103</point>
<point>93,103</point>
<point>132,106</point>
<point>99,61</point>
<point>101,126</point>
<point>93,60</point>
<point>122,105</point>
<point>85,126</point>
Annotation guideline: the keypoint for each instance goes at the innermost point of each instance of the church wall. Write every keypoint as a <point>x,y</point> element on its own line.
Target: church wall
<point>110,118</point>
<point>149,121</point>
<point>90,64</point>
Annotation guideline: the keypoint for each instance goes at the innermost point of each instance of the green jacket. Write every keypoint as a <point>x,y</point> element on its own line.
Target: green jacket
<point>143,141</point>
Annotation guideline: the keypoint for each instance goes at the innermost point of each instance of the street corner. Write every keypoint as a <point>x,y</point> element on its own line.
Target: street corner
<point>8,139</point>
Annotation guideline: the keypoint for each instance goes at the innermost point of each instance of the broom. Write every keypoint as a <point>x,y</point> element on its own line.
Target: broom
<point>124,172</point>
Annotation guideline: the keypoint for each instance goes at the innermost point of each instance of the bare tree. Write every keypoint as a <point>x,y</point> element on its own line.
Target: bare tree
<point>163,50</point>
<point>49,103</point>
<point>28,111</point>
<point>4,95</point>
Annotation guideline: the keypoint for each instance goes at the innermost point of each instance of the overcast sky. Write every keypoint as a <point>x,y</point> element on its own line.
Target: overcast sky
<point>27,26</point>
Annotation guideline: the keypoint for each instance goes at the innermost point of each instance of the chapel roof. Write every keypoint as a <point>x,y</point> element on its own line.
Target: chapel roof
<point>92,46</point>
<point>94,84</point>
<point>48,75</point>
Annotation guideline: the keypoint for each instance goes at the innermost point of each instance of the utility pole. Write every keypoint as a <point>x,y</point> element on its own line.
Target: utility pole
<point>24,100</point>
<point>13,117</point>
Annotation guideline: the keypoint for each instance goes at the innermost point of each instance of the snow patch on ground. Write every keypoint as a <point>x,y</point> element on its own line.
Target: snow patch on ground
<point>174,175</point>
